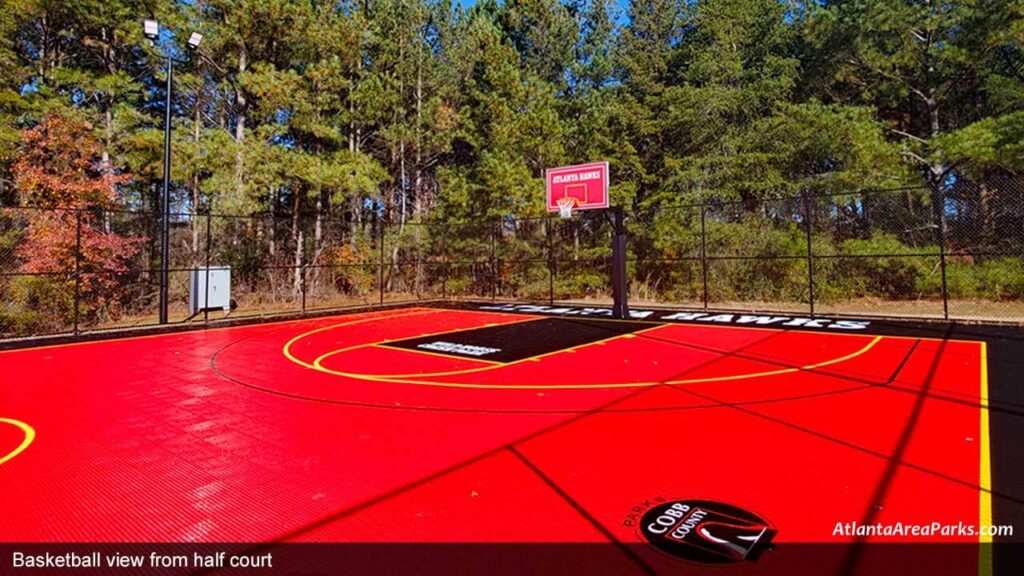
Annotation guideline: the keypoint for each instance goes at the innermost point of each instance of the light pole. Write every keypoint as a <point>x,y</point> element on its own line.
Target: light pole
<point>152,31</point>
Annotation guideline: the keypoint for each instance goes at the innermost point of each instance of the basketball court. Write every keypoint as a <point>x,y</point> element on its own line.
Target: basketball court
<point>660,441</point>
<point>510,423</point>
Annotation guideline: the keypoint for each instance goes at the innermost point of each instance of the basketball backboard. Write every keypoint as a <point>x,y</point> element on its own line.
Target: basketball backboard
<point>586,183</point>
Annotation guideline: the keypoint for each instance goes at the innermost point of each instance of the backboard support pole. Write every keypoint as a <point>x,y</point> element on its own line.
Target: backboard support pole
<point>620,307</point>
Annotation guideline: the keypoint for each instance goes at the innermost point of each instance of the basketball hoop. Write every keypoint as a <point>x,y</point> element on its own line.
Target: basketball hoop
<point>565,206</point>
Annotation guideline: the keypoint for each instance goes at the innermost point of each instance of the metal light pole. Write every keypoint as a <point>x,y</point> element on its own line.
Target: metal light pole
<point>165,202</point>
<point>152,31</point>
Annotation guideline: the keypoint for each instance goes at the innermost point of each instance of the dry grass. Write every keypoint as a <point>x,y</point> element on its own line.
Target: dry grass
<point>251,307</point>
<point>255,307</point>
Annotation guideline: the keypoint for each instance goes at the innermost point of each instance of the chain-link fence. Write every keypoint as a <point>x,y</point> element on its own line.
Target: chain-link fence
<point>952,253</point>
<point>955,253</point>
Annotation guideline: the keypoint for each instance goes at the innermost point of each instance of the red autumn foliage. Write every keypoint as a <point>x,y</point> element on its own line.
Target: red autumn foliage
<point>58,169</point>
<point>59,165</point>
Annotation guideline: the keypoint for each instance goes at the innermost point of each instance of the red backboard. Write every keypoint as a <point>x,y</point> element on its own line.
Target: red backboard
<point>588,183</point>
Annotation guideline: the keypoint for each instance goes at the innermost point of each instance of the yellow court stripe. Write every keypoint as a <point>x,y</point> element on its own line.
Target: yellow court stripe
<point>287,346</point>
<point>375,378</point>
<point>30,435</point>
<point>985,474</point>
<point>838,360</point>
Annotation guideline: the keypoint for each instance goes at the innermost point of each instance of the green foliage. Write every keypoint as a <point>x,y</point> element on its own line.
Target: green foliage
<point>38,305</point>
<point>934,55</point>
<point>989,145</point>
<point>895,273</point>
<point>998,278</point>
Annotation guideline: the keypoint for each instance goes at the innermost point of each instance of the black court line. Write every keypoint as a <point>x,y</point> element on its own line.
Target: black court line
<point>892,466</point>
<point>583,512</point>
<point>841,442</point>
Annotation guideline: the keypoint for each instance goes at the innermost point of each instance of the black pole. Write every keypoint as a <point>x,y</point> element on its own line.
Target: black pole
<point>380,278</point>
<point>940,195</point>
<point>206,296</point>
<point>551,263</point>
<point>444,261</point>
<point>620,308</point>
<point>703,252</point>
<point>303,270</point>
<point>810,253</point>
<point>494,269</point>
<point>165,243</point>
<point>78,265</point>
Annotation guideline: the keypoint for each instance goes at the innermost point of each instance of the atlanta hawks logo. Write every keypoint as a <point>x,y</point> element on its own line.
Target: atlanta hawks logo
<point>706,532</point>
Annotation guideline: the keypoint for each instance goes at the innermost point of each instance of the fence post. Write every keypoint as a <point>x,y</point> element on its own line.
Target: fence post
<point>444,261</point>
<point>939,195</point>
<point>303,270</point>
<point>78,265</point>
<point>703,251</point>
<point>206,285</point>
<point>380,272</point>
<point>808,223</point>
<point>494,269</point>
<point>551,262</point>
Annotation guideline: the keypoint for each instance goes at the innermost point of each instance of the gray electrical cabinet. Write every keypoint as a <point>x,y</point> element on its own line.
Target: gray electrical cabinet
<point>218,278</point>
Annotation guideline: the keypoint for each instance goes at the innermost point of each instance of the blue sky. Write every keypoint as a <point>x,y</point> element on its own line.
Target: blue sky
<point>619,3</point>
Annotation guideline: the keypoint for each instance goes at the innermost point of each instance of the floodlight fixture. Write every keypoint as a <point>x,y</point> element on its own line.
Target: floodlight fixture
<point>151,29</point>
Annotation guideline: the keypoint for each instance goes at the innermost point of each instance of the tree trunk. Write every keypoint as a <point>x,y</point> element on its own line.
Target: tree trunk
<point>355,222</point>
<point>317,239</point>
<point>356,207</point>
<point>196,133</point>
<point>108,124</point>
<point>401,186</point>
<point>240,105</point>
<point>985,194</point>
<point>297,238</point>
<point>272,242</point>
<point>418,182</point>
<point>937,170</point>
<point>401,139</point>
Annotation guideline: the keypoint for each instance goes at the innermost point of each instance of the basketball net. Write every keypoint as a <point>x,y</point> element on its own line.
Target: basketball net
<point>565,206</point>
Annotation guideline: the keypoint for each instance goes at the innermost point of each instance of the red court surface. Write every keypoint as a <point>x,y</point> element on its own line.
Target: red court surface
<point>328,429</point>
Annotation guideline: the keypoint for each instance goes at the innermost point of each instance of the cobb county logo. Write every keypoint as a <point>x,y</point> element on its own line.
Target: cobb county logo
<point>705,531</point>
